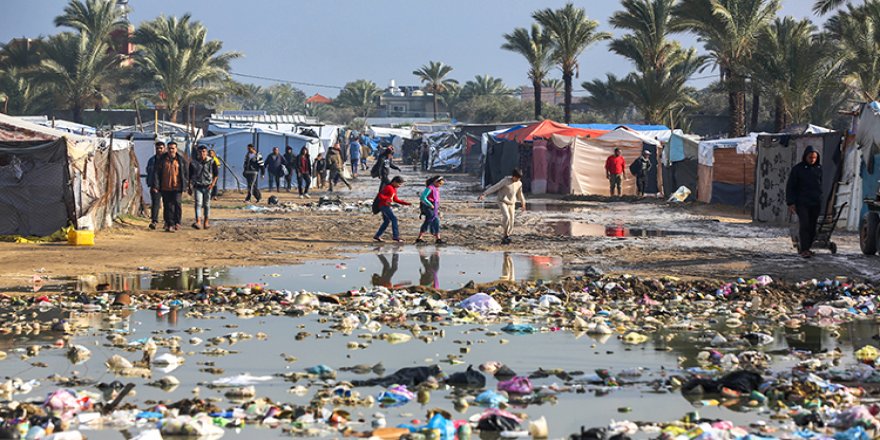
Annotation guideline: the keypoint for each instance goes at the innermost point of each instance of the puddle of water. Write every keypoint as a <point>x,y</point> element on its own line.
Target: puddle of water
<point>389,266</point>
<point>585,229</point>
<point>543,206</point>
<point>523,354</point>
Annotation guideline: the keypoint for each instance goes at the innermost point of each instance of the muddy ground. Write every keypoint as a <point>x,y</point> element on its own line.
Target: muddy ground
<point>685,240</point>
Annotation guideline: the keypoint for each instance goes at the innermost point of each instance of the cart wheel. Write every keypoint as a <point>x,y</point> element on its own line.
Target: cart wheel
<point>833,248</point>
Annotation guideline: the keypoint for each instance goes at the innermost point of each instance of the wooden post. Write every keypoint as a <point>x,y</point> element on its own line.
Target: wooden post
<point>224,161</point>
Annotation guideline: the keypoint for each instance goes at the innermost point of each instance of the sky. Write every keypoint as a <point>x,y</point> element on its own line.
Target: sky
<point>332,42</point>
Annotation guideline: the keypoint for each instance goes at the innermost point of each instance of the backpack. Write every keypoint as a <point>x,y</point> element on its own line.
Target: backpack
<point>376,170</point>
<point>635,168</point>
<point>375,207</point>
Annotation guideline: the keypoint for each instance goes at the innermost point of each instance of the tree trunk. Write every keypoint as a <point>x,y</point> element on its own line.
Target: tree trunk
<point>779,115</point>
<point>566,77</point>
<point>737,103</point>
<point>536,84</point>
<point>173,116</point>
<point>435,104</point>
<point>77,110</point>
<point>756,109</point>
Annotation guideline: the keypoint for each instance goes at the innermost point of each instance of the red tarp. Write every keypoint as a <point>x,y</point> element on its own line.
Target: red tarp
<point>545,129</point>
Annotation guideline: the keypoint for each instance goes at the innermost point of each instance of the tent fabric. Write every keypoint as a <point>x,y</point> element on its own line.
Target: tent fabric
<point>502,157</point>
<point>609,127</point>
<point>682,147</point>
<point>405,133</point>
<point>732,194</point>
<point>50,178</point>
<point>733,167</point>
<point>446,151</point>
<point>587,165</point>
<point>622,135</point>
<point>777,154</point>
<point>743,145</point>
<point>232,147</point>
<point>545,129</point>
<point>559,171</point>
<point>539,167</point>
<point>681,173</point>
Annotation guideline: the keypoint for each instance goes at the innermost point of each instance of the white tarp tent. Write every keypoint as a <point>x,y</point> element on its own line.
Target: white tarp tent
<point>743,145</point>
<point>232,147</point>
<point>405,133</point>
<point>61,125</point>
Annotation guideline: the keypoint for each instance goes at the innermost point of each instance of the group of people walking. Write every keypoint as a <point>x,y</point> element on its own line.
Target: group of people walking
<point>287,167</point>
<point>169,174</point>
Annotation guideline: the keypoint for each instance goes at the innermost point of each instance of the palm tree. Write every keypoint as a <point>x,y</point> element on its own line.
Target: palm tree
<point>553,83</point>
<point>822,7</point>
<point>572,32</point>
<point>250,96</point>
<point>18,59</point>
<point>180,65</point>
<point>791,63</point>
<point>729,30</point>
<point>93,17</point>
<point>285,99</point>
<point>605,98</point>
<point>855,33</point>
<point>660,94</point>
<point>434,75</point>
<point>649,23</point>
<point>484,85</point>
<point>360,96</point>
<point>536,47</point>
<point>74,68</point>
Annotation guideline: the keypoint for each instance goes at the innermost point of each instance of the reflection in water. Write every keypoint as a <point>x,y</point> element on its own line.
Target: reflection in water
<point>569,228</point>
<point>429,273</point>
<point>508,272</point>
<point>388,271</point>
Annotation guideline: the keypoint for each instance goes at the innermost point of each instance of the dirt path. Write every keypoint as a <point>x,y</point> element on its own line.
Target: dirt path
<point>685,241</point>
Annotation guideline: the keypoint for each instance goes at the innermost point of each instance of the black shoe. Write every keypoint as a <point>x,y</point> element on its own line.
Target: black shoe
<point>419,241</point>
<point>439,241</point>
<point>153,225</point>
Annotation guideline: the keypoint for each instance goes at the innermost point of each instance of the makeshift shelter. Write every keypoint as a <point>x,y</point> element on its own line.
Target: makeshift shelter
<point>50,179</point>
<point>726,171</point>
<point>576,165</point>
<point>861,171</point>
<point>144,137</point>
<point>661,133</point>
<point>62,125</point>
<point>232,147</point>
<point>472,139</point>
<point>447,152</point>
<point>776,155</point>
<point>679,161</point>
<point>545,129</point>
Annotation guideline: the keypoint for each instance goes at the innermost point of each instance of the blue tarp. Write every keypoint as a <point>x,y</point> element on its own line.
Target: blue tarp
<point>610,127</point>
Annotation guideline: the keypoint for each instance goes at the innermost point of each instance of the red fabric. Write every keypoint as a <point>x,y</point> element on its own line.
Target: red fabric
<point>547,128</point>
<point>615,164</point>
<point>305,165</point>
<point>389,194</point>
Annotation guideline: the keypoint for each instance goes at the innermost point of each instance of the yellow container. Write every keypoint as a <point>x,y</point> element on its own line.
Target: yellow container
<point>80,238</point>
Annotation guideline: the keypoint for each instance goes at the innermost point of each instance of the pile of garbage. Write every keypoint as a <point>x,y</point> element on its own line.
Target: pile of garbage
<point>733,324</point>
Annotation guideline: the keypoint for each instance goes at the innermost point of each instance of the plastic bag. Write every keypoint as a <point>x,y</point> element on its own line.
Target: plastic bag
<point>516,385</point>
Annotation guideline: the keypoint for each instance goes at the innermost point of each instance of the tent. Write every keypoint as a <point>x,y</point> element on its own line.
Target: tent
<point>679,161</point>
<point>144,137</point>
<point>50,179</point>
<point>61,125</point>
<point>232,147</point>
<point>861,170</point>
<point>447,151</point>
<point>576,165</point>
<point>661,133</point>
<point>405,133</point>
<point>777,154</point>
<point>545,129</point>
<point>726,171</point>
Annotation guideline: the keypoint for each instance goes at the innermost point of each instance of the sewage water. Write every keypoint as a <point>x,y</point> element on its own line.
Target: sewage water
<point>524,354</point>
<point>569,228</point>
<point>390,266</point>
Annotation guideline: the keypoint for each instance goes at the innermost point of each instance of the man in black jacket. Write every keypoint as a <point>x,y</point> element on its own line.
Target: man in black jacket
<point>803,195</point>
<point>155,196</point>
<point>203,173</point>
<point>253,167</point>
